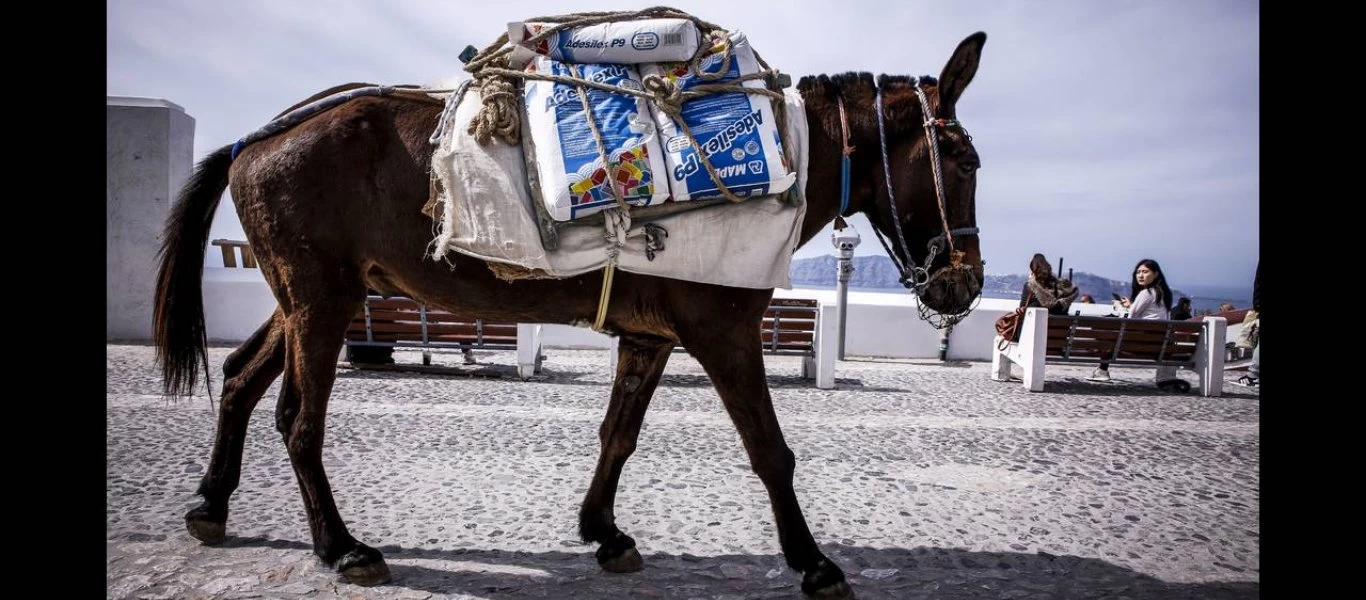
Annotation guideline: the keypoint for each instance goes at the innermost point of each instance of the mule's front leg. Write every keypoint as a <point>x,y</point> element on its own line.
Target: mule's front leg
<point>314,339</point>
<point>640,362</point>
<point>735,363</point>
<point>247,373</point>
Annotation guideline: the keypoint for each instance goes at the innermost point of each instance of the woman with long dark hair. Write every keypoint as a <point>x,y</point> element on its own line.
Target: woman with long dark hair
<point>1045,290</point>
<point>1151,298</point>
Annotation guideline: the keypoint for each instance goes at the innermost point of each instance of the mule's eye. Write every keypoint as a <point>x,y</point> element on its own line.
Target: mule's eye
<point>969,165</point>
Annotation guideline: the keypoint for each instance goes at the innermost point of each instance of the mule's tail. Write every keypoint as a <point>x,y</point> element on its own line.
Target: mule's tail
<point>178,317</point>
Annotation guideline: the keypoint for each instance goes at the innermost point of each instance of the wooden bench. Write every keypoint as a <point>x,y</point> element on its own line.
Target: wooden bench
<point>405,323</point>
<point>803,327</point>
<point>791,327</point>
<point>230,250</point>
<point>1045,338</point>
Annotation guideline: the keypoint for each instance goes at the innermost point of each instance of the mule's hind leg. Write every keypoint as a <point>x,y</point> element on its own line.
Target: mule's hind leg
<point>247,373</point>
<point>733,358</point>
<point>315,328</point>
<point>640,362</point>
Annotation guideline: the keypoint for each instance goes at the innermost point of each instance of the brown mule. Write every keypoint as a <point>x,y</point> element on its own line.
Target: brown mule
<point>333,205</point>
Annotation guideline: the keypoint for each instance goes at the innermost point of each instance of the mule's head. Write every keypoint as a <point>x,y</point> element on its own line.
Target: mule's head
<point>933,234</point>
<point>928,220</point>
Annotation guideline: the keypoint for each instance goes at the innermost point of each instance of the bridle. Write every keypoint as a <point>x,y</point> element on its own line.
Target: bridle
<point>912,276</point>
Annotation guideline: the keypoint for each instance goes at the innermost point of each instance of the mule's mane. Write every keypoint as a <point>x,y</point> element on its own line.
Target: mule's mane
<point>901,107</point>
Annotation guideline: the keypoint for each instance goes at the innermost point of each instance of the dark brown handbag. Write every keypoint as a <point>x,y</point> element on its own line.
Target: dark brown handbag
<point>1008,325</point>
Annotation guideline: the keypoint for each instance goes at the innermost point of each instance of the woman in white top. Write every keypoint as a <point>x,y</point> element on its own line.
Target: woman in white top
<point>1152,299</point>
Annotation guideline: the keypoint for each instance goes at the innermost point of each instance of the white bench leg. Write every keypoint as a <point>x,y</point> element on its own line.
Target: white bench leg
<point>1209,356</point>
<point>1033,346</point>
<point>1000,364</point>
<point>613,345</point>
<point>825,343</point>
<point>528,349</point>
<point>808,367</point>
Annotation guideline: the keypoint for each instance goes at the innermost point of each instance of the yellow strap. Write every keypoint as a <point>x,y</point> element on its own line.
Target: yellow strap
<point>605,295</point>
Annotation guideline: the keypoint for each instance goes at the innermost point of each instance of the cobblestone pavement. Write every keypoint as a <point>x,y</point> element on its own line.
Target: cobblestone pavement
<point>920,479</point>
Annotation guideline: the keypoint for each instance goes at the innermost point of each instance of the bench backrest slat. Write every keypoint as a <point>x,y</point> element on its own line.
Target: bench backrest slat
<point>1122,340</point>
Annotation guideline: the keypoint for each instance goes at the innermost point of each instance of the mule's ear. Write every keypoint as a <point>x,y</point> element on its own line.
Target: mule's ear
<point>959,71</point>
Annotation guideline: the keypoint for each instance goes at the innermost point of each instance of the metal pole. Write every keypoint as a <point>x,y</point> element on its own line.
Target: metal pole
<point>944,343</point>
<point>846,268</point>
<point>844,240</point>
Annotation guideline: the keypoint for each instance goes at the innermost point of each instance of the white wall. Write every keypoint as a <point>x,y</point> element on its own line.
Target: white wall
<point>149,145</point>
<point>237,301</point>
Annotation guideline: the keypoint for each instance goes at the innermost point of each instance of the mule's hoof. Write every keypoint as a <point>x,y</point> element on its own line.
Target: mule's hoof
<point>839,591</point>
<point>826,581</point>
<point>205,529</point>
<point>626,562</point>
<point>364,566</point>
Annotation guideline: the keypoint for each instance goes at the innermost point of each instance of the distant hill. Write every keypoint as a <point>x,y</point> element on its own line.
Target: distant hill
<point>1100,288</point>
<point>878,272</point>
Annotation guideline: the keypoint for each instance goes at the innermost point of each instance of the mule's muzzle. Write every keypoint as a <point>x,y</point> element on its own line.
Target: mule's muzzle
<point>952,289</point>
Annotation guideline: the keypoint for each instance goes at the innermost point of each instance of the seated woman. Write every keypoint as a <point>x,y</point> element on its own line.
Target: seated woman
<point>1044,290</point>
<point>1182,310</point>
<point>1152,299</point>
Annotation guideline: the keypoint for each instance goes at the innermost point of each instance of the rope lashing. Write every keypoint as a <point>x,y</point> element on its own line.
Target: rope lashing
<point>617,221</point>
<point>500,114</point>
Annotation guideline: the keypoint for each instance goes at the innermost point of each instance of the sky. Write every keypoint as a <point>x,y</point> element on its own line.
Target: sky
<point>1109,131</point>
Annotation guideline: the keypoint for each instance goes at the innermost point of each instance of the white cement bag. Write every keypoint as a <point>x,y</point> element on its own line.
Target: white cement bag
<point>625,42</point>
<point>571,177</point>
<point>736,131</point>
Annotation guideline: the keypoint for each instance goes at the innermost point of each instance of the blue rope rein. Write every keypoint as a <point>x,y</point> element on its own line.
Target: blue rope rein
<point>844,185</point>
<point>847,151</point>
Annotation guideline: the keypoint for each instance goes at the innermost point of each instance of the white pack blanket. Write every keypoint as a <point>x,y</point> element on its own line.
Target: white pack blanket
<point>487,213</point>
